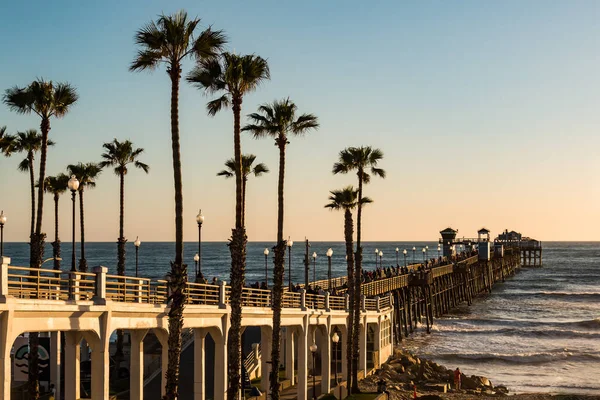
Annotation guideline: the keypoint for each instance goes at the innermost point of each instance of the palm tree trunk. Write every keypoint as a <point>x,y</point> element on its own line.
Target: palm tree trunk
<point>348,232</point>
<point>120,265</point>
<point>237,248</point>
<point>357,287</point>
<point>82,260</point>
<point>56,243</point>
<point>244,182</point>
<point>178,275</point>
<point>32,183</point>
<point>278,275</point>
<point>121,241</point>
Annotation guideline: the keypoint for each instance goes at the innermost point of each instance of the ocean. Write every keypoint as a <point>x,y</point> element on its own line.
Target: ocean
<point>537,332</point>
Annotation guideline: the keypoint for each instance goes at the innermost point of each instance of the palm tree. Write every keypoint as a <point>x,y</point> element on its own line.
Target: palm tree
<point>347,199</point>
<point>279,121</point>
<point>234,76</point>
<point>86,174</point>
<point>119,155</point>
<point>29,142</point>
<point>56,185</point>
<point>247,170</point>
<point>360,159</point>
<point>170,40</point>
<point>47,100</point>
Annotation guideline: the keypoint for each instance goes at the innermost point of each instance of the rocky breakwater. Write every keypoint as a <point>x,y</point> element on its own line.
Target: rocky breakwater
<point>404,371</point>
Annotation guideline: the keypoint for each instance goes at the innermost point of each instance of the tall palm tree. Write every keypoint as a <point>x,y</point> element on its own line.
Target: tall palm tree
<point>234,76</point>
<point>363,160</point>
<point>29,142</point>
<point>170,40</point>
<point>56,185</point>
<point>119,155</point>
<point>86,174</point>
<point>47,100</point>
<point>347,199</point>
<point>247,169</point>
<point>279,121</point>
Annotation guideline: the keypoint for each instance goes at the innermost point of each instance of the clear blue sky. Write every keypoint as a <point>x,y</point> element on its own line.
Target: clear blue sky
<point>488,114</point>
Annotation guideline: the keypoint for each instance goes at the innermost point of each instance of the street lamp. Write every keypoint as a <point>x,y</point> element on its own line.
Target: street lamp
<point>380,257</point>
<point>329,254</point>
<point>376,254</point>
<point>314,267</point>
<point>427,251</point>
<point>397,250</point>
<point>313,350</point>
<point>199,220</point>
<point>137,248</point>
<point>266,253</point>
<point>439,251</point>
<point>196,259</point>
<point>424,254</point>
<point>289,243</point>
<point>414,254</point>
<point>73,186</point>
<point>335,338</point>
<point>2,222</point>
<point>404,252</point>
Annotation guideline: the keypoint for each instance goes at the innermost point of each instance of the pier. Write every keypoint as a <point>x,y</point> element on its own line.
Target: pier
<point>89,307</point>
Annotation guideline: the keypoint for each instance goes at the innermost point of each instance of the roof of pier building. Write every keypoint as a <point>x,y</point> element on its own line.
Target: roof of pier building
<point>483,231</point>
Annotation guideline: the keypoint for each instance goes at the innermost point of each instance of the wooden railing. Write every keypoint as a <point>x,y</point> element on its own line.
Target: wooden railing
<point>441,271</point>
<point>385,302</point>
<point>371,304</point>
<point>199,293</point>
<point>337,303</point>
<point>292,300</point>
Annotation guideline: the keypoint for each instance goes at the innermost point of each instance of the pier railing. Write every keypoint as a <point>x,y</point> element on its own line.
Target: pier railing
<point>50,284</point>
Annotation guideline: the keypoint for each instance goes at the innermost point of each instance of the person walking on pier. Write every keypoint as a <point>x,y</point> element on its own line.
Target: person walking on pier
<point>457,379</point>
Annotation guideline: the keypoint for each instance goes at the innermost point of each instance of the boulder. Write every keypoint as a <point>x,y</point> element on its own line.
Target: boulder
<point>430,397</point>
<point>501,389</point>
<point>469,383</point>
<point>437,387</point>
<point>399,368</point>
<point>407,360</point>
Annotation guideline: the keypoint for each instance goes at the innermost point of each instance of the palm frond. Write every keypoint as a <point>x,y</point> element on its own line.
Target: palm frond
<point>23,165</point>
<point>209,44</point>
<point>260,169</point>
<point>65,95</point>
<point>216,105</point>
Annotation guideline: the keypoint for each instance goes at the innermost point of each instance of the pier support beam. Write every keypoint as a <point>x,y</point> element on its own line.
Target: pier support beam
<point>55,362</point>
<point>199,364</point>
<point>303,359</point>
<point>266,341</point>
<point>136,369</point>
<point>72,365</point>
<point>289,354</point>
<point>325,346</point>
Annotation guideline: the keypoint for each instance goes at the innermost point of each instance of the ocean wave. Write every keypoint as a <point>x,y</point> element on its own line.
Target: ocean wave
<point>549,333</point>
<point>472,324</point>
<point>524,358</point>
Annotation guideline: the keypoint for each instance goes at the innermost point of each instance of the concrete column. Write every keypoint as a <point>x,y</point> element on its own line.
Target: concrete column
<point>6,342</point>
<point>199,364</point>
<point>303,359</point>
<point>72,364</point>
<point>4,280</point>
<point>163,338</point>
<point>377,344</point>
<point>100,367</point>
<point>342,344</point>
<point>100,295</point>
<point>303,299</point>
<point>136,369</point>
<point>325,346</point>
<point>289,353</point>
<point>266,342</point>
<point>362,347</point>
<point>222,299</point>
<point>220,364</point>
<point>55,361</point>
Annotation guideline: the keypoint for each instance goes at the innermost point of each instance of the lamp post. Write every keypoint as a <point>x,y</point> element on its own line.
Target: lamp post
<point>329,254</point>
<point>335,338</point>
<point>289,243</point>
<point>414,254</point>
<point>427,251</point>
<point>199,220</point>
<point>196,259</point>
<point>380,259</point>
<point>266,253</point>
<point>73,186</point>
<point>137,248</point>
<point>2,222</point>
<point>424,251</point>
<point>314,267</point>
<point>404,252</point>
<point>376,254</point>
<point>397,250</point>
<point>439,251</point>
<point>313,350</point>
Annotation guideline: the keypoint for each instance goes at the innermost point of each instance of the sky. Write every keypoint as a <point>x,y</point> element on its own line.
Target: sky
<point>487,114</point>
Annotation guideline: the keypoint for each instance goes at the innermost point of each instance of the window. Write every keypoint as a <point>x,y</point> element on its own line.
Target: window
<point>386,332</point>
